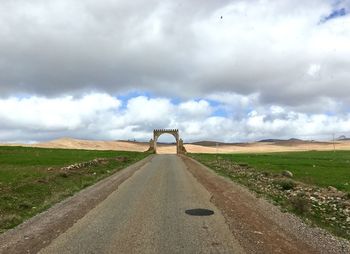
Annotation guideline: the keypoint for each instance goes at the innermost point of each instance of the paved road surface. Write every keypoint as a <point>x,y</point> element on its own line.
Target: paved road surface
<point>147,215</point>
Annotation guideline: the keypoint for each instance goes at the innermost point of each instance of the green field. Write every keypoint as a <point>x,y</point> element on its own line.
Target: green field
<point>321,168</point>
<point>306,194</point>
<point>31,179</point>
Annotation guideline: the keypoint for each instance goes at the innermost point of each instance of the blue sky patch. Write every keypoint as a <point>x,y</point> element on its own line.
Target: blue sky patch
<point>213,103</point>
<point>220,112</point>
<point>133,94</point>
<point>334,14</point>
<point>129,95</point>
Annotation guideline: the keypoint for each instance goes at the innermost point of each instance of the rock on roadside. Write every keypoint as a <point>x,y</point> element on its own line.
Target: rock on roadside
<point>287,173</point>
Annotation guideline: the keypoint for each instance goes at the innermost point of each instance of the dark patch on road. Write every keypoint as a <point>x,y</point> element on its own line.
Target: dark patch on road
<point>199,212</point>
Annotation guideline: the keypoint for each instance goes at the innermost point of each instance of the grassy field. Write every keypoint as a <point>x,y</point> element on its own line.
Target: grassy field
<point>32,179</point>
<point>321,168</point>
<point>307,194</point>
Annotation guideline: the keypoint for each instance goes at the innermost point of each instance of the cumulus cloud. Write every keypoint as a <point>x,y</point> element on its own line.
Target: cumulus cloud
<point>277,49</point>
<point>228,70</point>
<point>102,116</point>
<point>40,118</point>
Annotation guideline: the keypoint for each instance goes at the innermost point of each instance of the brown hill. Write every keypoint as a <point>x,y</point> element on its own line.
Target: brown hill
<point>205,147</point>
<point>71,143</point>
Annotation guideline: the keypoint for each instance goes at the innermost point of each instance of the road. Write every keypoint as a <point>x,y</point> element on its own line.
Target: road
<point>146,214</point>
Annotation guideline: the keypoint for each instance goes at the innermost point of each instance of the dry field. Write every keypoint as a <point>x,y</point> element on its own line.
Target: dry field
<point>265,147</point>
<point>256,147</point>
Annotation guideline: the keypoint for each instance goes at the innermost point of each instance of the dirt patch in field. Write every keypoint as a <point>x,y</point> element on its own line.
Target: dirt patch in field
<point>259,226</point>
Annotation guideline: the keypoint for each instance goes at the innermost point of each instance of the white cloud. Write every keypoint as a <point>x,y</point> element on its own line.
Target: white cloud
<point>145,111</point>
<point>194,109</point>
<point>101,116</point>
<point>265,69</point>
<point>182,49</point>
<point>36,116</point>
<point>314,69</point>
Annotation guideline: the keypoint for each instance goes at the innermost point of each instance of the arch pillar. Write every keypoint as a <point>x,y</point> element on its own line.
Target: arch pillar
<point>174,132</point>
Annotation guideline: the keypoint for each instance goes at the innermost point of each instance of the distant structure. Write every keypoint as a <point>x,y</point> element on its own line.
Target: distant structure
<point>180,149</point>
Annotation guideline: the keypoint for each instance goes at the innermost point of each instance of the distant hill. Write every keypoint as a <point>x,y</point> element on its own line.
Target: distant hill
<point>342,138</point>
<point>210,143</point>
<point>207,146</point>
<point>271,140</point>
<point>295,139</point>
<point>213,143</point>
<point>207,143</point>
<point>280,140</point>
<point>71,143</point>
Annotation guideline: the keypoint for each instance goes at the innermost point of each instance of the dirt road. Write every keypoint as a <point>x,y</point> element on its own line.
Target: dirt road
<point>147,215</point>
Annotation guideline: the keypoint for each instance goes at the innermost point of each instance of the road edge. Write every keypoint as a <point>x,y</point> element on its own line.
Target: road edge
<point>318,239</point>
<point>37,232</point>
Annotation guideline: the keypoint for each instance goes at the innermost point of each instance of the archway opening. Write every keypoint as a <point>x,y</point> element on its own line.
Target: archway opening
<point>166,144</point>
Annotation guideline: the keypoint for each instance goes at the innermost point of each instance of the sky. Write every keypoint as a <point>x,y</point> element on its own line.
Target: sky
<point>214,69</point>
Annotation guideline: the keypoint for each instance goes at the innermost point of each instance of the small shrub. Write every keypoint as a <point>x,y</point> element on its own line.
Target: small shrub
<point>300,204</point>
<point>25,205</point>
<point>347,195</point>
<point>9,220</point>
<point>122,159</point>
<point>285,184</point>
<point>63,174</point>
<point>86,184</point>
<point>266,173</point>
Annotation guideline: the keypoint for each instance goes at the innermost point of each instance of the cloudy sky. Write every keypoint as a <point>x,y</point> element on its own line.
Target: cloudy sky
<point>215,69</point>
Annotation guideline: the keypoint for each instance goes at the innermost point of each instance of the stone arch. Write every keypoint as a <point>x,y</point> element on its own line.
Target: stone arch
<point>175,132</point>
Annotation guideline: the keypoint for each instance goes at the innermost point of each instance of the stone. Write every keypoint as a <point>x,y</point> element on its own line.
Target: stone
<point>180,149</point>
<point>331,188</point>
<point>287,173</point>
<point>313,198</point>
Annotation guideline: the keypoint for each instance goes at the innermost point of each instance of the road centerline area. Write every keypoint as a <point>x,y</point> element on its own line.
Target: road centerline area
<point>147,215</point>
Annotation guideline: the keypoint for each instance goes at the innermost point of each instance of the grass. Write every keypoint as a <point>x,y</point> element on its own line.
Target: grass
<point>315,169</point>
<point>320,168</point>
<point>285,184</point>
<point>31,179</point>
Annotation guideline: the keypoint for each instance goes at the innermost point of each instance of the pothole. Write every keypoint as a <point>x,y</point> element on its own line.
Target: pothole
<point>199,212</point>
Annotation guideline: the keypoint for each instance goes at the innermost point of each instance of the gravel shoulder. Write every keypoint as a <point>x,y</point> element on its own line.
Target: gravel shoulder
<point>39,231</point>
<point>259,226</point>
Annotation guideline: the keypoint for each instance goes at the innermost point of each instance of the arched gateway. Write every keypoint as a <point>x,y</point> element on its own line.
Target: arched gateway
<point>175,132</point>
